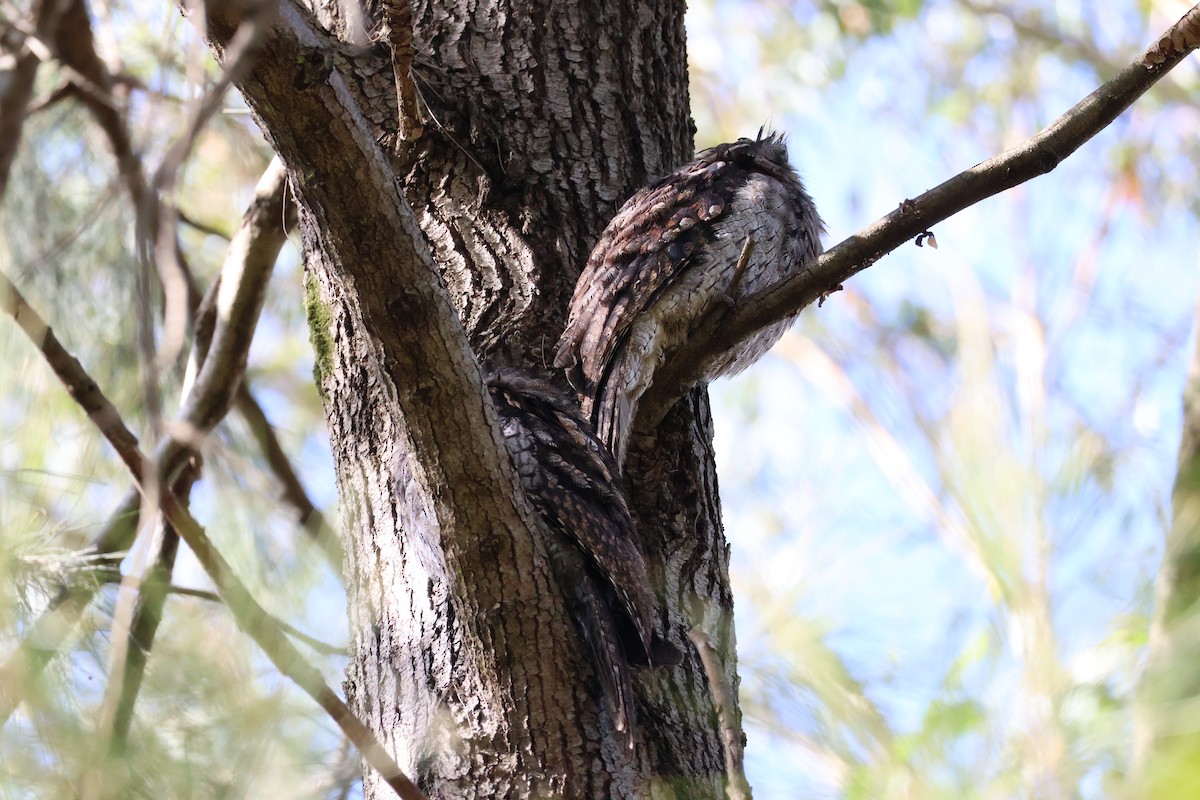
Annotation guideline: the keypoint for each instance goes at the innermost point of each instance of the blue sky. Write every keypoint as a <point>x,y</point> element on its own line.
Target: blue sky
<point>1106,278</point>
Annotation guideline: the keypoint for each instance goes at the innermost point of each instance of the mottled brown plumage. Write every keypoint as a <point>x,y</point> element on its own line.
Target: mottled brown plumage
<point>574,485</point>
<point>668,258</point>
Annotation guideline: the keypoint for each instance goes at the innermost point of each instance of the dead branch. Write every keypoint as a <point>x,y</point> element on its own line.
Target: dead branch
<point>398,32</point>
<point>728,717</point>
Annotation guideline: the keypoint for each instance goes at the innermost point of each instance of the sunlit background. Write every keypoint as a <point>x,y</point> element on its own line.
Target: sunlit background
<point>946,490</point>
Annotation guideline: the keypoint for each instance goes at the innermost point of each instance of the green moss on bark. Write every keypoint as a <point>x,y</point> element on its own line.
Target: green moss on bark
<point>320,325</point>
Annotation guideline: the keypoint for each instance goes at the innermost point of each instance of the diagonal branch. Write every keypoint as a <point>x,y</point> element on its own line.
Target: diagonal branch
<point>157,217</point>
<point>249,261</point>
<point>310,114</point>
<point>308,516</point>
<point>16,86</point>
<point>134,628</point>
<point>1036,156</point>
<point>324,648</point>
<point>250,616</point>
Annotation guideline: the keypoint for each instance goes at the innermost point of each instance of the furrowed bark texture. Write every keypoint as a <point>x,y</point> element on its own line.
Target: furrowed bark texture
<point>541,118</point>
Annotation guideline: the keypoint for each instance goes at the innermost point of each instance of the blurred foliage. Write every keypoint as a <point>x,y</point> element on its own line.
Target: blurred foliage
<point>213,718</point>
<point>948,495</point>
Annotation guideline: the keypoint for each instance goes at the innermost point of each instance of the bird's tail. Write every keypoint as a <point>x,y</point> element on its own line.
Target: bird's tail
<point>591,607</point>
<point>613,405</point>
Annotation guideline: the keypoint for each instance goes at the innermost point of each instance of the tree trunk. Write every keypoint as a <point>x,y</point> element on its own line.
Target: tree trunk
<point>540,118</point>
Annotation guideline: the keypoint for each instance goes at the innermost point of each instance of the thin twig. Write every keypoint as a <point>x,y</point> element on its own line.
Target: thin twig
<point>728,718</point>
<point>309,517</point>
<point>1036,156</point>
<point>250,616</point>
<point>203,227</point>
<point>398,32</point>
<point>248,265</point>
<point>141,598</point>
<point>316,644</point>
<point>158,215</point>
<point>239,293</point>
<point>16,90</point>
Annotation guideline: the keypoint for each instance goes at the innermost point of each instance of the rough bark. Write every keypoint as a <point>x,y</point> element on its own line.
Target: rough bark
<point>540,119</point>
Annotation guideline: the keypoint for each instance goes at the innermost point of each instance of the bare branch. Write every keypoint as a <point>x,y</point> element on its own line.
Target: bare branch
<point>157,224</point>
<point>16,88</point>
<point>398,32</point>
<point>249,262</point>
<point>248,265</point>
<point>728,717</point>
<point>143,628</point>
<point>142,597</point>
<point>308,515</point>
<point>201,226</point>
<point>250,616</point>
<point>1036,156</point>
<point>314,643</point>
